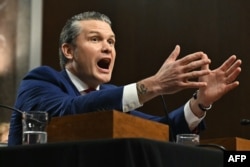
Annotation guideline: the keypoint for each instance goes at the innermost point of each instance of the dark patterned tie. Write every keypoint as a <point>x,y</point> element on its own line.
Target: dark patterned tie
<point>89,90</point>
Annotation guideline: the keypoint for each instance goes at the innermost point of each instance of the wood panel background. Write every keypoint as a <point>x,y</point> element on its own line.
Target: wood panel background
<point>148,30</point>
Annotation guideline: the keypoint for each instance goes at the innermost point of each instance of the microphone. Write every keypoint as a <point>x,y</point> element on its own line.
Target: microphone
<point>22,112</point>
<point>11,108</point>
<point>172,138</point>
<point>245,122</point>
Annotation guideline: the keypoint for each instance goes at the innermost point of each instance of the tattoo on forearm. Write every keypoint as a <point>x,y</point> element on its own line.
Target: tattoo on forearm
<point>141,89</point>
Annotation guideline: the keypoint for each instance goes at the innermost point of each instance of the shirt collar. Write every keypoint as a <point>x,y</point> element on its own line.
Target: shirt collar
<point>79,84</point>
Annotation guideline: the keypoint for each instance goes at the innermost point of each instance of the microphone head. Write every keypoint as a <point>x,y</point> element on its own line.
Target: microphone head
<point>245,122</point>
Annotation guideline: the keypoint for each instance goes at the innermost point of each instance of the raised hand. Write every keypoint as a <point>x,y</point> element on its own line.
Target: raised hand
<point>220,80</point>
<point>175,75</point>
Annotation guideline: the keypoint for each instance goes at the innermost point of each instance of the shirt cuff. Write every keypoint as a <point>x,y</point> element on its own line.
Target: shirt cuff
<point>192,120</point>
<point>130,100</point>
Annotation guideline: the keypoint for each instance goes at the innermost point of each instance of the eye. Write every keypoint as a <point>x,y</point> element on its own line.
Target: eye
<point>94,39</point>
<point>111,42</point>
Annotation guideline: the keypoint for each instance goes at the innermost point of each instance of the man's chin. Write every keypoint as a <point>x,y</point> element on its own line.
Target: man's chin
<point>104,78</point>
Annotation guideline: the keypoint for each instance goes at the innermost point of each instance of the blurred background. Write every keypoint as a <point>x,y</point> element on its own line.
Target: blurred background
<point>146,33</point>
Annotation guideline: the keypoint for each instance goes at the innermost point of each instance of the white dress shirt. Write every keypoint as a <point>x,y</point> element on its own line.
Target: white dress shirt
<point>130,100</point>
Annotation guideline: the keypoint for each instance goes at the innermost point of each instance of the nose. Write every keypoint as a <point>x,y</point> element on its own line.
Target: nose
<point>107,47</point>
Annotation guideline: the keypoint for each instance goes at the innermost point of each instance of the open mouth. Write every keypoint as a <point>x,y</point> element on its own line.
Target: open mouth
<point>104,63</point>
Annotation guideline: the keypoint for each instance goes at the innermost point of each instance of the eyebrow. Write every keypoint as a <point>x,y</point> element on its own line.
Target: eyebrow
<point>96,32</point>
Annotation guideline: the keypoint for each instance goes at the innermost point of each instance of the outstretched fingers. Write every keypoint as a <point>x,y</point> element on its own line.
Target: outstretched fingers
<point>232,68</point>
<point>195,66</point>
<point>228,63</point>
<point>175,53</point>
<point>195,61</point>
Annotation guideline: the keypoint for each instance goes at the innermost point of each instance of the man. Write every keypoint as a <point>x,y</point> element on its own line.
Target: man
<point>87,57</point>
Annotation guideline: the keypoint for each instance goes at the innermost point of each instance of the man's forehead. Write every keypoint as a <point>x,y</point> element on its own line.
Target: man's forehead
<point>95,25</point>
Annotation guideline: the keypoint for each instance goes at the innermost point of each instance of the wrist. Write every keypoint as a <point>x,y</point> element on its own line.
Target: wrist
<point>195,108</point>
<point>203,107</point>
<point>146,90</point>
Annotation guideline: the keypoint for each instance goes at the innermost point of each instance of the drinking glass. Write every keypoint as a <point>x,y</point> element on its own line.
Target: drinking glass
<point>188,139</point>
<point>34,127</point>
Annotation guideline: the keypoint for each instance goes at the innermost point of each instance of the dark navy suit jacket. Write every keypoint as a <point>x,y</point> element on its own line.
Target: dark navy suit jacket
<point>46,89</point>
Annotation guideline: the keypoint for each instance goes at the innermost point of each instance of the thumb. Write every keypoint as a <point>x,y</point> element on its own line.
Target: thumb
<point>175,53</point>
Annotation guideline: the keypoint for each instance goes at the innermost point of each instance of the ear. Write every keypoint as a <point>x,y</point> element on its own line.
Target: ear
<point>67,50</point>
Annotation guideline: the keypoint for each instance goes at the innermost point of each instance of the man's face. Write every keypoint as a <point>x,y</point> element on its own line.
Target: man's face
<point>93,57</point>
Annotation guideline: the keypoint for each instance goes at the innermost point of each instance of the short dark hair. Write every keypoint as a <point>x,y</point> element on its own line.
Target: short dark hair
<point>71,30</point>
